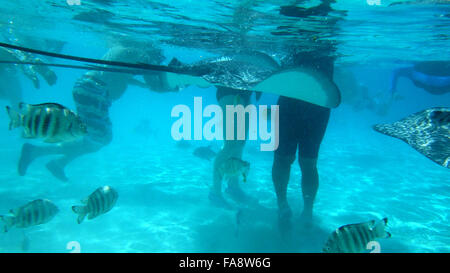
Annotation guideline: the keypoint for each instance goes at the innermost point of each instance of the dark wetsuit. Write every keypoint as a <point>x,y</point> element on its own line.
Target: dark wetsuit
<point>303,124</point>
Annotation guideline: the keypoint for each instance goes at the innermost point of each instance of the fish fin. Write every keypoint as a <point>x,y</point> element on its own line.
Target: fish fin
<point>23,106</point>
<point>15,118</point>
<point>47,104</point>
<point>26,134</point>
<point>81,211</point>
<point>379,229</point>
<point>14,211</point>
<point>8,222</point>
<point>303,84</point>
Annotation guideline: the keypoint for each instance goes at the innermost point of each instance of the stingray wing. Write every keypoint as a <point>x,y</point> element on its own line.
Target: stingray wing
<point>428,132</point>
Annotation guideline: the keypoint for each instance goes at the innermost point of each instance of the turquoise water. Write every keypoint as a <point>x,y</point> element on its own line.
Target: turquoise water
<point>163,189</point>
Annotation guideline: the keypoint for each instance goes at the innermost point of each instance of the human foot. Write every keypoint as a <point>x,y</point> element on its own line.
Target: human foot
<point>284,218</point>
<point>306,219</point>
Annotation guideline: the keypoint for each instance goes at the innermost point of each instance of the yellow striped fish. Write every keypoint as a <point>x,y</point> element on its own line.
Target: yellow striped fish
<point>99,202</point>
<point>234,166</point>
<point>354,238</point>
<point>36,212</point>
<point>50,121</point>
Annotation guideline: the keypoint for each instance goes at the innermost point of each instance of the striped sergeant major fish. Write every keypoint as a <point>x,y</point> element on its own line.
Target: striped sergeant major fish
<point>354,238</point>
<point>34,213</point>
<point>51,122</point>
<point>234,166</point>
<point>99,202</point>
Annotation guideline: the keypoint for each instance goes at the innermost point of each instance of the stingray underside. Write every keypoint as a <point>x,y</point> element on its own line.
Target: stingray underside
<point>298,83</point>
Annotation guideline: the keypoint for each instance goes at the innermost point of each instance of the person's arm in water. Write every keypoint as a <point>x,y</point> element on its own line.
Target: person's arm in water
<point>400,72</point>
<point>45,71</point>
<point>30,71</point>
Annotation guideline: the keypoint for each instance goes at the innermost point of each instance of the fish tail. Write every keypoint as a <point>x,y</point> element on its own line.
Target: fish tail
<point>15,118</point>
<point>8,222</point>
<point>380,229</point>
<point>81,211</point>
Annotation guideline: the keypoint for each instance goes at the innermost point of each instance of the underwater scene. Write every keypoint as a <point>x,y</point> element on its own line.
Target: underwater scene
<point>212,126</point>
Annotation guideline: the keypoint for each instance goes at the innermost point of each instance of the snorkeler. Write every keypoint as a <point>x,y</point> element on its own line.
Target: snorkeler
<point>432,76</point>
<point>93,94</point>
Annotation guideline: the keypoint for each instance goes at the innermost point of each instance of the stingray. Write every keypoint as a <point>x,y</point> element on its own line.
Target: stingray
<point>427,131</point>
<point>242,71</point>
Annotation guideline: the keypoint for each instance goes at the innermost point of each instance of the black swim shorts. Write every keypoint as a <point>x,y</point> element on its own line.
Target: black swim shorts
<point>301,124</point>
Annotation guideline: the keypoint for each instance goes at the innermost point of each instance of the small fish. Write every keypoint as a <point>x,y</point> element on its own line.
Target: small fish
<point>35,213</point>
<point>234,166</point>
<point>205,153</point>
<point>51,122</point>
<point>99,202</point>
<point>354,238</point>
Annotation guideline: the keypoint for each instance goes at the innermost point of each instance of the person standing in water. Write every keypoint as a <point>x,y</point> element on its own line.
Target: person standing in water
<point>231,148</point>
<point>302,126</point>
<point>93,94</point>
